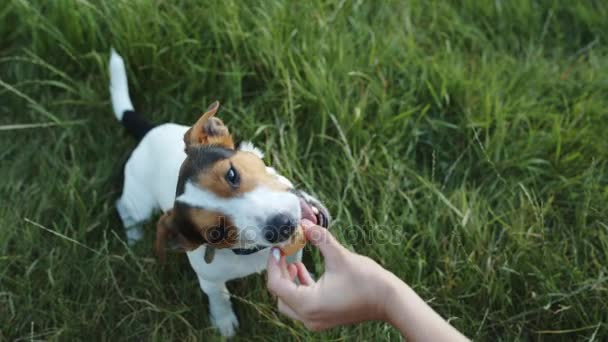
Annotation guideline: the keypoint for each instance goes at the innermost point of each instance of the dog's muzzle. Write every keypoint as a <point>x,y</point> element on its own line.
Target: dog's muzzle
<point>313,210</point>
<point>279,228</point>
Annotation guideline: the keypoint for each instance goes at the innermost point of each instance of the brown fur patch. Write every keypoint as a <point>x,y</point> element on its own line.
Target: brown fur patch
<point>217,229</point>
<point>168,232</point>
<point>162,234</point>
<point>209,130</point>
<point>251,170</point>
<point>213,227</point>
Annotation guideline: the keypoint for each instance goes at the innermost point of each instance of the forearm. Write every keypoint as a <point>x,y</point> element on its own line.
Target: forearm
<point>415,319</point>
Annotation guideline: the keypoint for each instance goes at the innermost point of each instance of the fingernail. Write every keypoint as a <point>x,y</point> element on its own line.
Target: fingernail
<point>307,223</point>
<point>276,254</point>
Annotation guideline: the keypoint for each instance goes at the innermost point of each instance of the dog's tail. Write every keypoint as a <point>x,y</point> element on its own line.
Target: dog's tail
<point>121,102</point>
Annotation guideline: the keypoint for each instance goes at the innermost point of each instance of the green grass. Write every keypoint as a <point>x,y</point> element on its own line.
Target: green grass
<point>460,144</point>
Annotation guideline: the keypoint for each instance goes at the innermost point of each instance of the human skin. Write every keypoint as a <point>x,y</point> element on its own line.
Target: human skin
<point>354,288</point>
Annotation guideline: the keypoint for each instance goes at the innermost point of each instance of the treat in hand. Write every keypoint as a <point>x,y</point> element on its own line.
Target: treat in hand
<point>297,242</point>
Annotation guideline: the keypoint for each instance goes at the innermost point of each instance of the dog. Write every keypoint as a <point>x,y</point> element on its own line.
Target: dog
<point>221,204</point>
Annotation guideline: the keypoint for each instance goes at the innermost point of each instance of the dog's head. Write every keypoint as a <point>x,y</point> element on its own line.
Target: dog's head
<point>228,198</point>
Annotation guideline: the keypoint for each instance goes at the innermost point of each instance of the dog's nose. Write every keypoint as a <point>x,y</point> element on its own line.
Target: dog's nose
<point>279,228</point>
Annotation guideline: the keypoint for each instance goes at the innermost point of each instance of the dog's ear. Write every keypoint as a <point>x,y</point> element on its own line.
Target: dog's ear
<point>168,236</point>
<point>209,130</point>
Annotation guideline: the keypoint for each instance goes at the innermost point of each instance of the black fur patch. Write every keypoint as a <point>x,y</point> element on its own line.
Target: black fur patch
<point>200,158</point>
<point>135,124</point>
<point>184,224</point>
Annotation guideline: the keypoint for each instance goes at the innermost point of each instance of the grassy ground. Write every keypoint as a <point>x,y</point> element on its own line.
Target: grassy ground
<point>460,144</point>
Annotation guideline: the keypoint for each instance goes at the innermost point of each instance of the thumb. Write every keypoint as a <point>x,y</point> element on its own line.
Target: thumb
<point>331,249</point>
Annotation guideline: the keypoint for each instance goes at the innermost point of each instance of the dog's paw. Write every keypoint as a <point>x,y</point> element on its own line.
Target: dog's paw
<point>226,324</point>
<point>134,234</point>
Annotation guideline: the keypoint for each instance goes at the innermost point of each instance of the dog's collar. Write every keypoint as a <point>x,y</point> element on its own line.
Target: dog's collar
<point>247,251</point>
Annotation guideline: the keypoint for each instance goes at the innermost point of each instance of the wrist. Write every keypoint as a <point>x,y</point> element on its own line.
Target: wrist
<point>395,290</point>
<point>415,319</point>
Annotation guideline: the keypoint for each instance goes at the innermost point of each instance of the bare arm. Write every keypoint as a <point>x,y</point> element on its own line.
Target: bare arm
<point>414,318</point>
<point>354,288</point>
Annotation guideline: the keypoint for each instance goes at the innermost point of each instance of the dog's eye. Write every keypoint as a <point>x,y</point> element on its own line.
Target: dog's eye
<point>232,177</point>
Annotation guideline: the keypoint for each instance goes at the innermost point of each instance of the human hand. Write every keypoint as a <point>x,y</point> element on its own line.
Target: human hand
<point>354,288</point>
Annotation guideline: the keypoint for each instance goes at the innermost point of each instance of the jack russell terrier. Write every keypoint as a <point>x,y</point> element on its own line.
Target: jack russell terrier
<point>222,205</point>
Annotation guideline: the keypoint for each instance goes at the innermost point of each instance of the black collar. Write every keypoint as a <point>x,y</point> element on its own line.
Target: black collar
<point>247,251</point>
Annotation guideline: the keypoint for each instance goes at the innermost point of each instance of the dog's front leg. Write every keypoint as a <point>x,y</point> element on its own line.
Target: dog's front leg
<point>220,309</point>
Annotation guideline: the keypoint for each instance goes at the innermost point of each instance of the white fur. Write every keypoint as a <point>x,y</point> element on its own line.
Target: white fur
<point>150,181</point>
<point>248,212</point>
<point>283,180</point>
<point>119,87</point>
<point>248,146</point>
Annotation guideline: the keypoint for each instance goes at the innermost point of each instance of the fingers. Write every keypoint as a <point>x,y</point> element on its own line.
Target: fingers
<point>322,238</point>
<point>288,271</point>
<point>284,268</point>
<point>292,271</point>
<point>278,280</point>
<point>303,275</point>
<point>286,310</point>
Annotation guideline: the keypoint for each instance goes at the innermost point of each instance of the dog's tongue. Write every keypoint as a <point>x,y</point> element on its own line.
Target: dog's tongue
<point>307,212</point>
